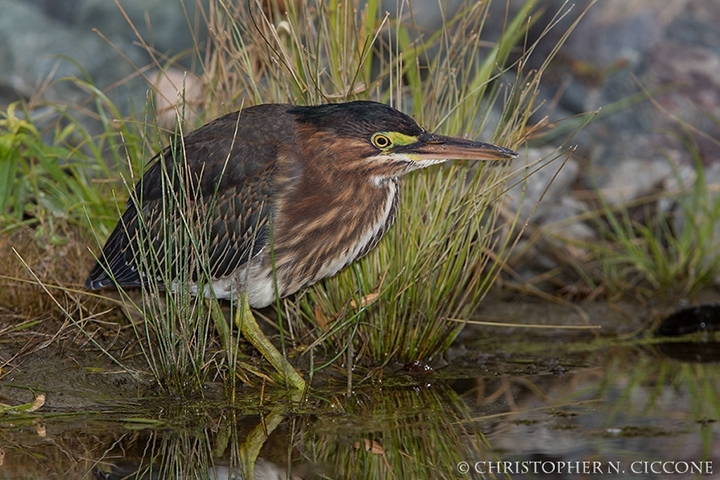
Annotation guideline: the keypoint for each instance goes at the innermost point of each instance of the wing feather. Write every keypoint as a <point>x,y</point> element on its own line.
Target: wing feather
<point>217,186</point>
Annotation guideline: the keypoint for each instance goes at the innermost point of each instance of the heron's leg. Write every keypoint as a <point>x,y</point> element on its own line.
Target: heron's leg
<point>249,328</point>
<point>250,449</point>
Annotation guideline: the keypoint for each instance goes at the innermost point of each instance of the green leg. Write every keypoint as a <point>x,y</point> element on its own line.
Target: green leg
<point>250,449</point>
<point>249,328</point>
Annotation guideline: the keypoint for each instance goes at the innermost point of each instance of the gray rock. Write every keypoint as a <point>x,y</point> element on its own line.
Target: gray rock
<point>619,31</point>
<point>563,220</point>
<point>540,182</point>
<point>542,192</point>
<point>634,178</point>
<point>650,68</point>
<point>43,55</point>
<point>58,10</point>
<point>162,24</point>
<point>44,45</point>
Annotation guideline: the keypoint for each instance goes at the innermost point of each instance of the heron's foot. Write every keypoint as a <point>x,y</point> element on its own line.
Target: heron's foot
<point>252,333</point>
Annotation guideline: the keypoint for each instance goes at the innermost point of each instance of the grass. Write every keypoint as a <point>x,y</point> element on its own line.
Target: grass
<point>437,262</point>
<point>42,185</point>
<point>178,327</point>
<point>647,250</point>
<point>446,235</point>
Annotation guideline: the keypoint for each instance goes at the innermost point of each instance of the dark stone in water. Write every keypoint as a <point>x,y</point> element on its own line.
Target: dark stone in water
<point>700,318</point>
<point>692,352</point>
<point>417,367</point>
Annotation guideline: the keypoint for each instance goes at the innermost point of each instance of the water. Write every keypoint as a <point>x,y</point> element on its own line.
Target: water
<point>518,405</point>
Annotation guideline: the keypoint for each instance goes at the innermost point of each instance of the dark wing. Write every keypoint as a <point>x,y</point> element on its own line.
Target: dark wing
<point>208,210</point>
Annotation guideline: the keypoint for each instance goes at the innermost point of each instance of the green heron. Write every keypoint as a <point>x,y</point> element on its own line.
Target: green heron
<point>293,195</point>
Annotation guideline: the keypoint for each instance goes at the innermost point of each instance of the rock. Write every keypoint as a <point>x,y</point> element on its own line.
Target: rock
<point>544,197</point>
<point>536,177</point>
<point>634,178</point>
<point>45,44</point>
<point>562,220</point>
<point>178,94</point>
<point>57,10</point>
<point>162,24</point>
<point>38,60</point>
<point>650,68</point>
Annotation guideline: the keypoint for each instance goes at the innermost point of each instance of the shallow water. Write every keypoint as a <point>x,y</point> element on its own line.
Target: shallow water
<point>517,405</point>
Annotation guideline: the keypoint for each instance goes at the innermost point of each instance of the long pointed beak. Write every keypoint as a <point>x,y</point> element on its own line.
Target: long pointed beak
<point>431,146</point>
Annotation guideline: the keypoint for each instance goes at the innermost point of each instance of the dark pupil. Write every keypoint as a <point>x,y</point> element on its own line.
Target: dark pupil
<point>382,141</point>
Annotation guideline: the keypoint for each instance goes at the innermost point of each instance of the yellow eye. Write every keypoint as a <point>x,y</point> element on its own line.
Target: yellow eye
<point>381,140</point>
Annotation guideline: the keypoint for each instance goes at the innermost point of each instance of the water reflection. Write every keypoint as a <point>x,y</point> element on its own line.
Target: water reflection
<point>621,412</point>
<point>618,419</point>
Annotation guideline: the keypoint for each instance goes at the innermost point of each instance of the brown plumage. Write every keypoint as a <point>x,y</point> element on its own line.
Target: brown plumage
<point>295,192</point>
